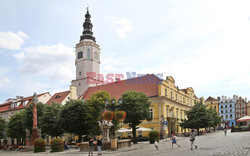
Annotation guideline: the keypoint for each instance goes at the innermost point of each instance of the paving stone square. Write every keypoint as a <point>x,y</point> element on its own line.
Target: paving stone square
<point>210,144</point>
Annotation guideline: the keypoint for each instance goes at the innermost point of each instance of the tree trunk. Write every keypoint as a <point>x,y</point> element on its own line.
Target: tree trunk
<point>134,134</point>
<point>198,131</point>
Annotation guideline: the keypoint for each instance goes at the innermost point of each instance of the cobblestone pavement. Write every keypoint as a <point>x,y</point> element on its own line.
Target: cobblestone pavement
<point>211,144</point>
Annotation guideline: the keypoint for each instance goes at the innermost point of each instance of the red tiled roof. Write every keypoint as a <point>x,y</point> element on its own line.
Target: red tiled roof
<point>147,84</point>
<point>58,97</point>
<point>210,98</point>
<point>3,107</point>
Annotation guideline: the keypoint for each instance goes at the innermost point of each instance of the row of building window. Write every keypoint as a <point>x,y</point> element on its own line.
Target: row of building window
<point>181,99</point>
<point>169,113</point>
<point>226,116</point>
<point>226,111</point>
<point>230,106</point>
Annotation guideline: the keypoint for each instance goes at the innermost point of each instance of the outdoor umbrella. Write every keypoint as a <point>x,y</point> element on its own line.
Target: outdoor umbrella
<point>245,118</point>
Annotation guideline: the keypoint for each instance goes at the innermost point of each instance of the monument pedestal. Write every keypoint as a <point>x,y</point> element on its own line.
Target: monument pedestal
<point>36,133</point>
<point>29,146</point>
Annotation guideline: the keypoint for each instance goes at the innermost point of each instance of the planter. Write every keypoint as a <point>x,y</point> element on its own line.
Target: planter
<point>113,144</point>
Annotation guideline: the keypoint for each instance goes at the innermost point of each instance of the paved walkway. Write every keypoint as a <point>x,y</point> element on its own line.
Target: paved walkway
<point>211,144</point>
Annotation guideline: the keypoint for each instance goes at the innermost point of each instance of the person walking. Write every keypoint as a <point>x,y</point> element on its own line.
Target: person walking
<point>91,146</point>
<point>225,130</point>
<point>174,141</point>
<point>99,146</point>
<point>192,138</point>
<point>156,145</point>
<point>66,147</point>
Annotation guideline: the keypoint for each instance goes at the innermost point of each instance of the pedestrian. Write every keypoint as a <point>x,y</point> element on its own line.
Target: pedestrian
<point>99,146</point>
<point>66,147</point>
<point>225,130</point>
<point>174,141</point>
<point>91,140</point>
<point>156,145</point>
<point>192,138</point>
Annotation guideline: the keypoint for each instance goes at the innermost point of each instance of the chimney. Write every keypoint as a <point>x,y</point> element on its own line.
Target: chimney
<point>218,98</point>
<point>117,79</point>
<point>223,98</point>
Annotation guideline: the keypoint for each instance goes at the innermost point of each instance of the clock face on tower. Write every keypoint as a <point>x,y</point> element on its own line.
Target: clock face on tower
<point>96,55</point>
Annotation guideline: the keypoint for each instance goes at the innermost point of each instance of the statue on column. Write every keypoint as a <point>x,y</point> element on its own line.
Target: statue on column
<point>36,132</point>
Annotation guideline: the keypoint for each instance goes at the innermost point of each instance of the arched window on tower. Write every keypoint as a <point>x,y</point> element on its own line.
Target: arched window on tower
<point>88,53</point>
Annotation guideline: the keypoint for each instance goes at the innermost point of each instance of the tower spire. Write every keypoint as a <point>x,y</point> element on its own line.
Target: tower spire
<point>87,28</point>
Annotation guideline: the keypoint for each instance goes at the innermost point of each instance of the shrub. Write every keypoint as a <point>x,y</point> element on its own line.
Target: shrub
<point>56,145</point>
<point>39,145</point>
<point>153,135</point>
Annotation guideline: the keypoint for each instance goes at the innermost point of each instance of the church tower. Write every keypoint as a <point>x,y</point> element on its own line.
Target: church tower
<point>87,58</point>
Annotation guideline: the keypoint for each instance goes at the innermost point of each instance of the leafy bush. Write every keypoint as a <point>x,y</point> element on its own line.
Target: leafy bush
<point>153,135</point>
<point>56,145</point>
<point>39,145</point>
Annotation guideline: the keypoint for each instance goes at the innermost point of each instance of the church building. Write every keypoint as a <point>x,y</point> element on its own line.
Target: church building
<point>168,102</point>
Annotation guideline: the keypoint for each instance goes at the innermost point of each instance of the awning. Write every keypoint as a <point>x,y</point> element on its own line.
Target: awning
<point>245,118</point>
<point>141,129</point>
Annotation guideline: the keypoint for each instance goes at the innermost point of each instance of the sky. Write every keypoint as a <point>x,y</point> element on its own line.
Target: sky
<point>202,44</point>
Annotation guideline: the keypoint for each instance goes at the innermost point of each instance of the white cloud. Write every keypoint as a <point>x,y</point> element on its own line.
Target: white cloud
<point>55,62</point>
<point>3,79</point>
<point>114,64</point>
<point>11,40</point>
<point>123,26</point>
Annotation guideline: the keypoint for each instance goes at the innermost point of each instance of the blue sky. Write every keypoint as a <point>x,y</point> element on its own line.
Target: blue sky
<point>202,44</point>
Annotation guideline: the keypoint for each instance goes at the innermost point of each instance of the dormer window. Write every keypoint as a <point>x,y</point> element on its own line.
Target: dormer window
<point>25,103</point>
<point>58,96</point>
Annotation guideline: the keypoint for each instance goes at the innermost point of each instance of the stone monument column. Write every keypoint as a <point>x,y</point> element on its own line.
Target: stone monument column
<point>36,132</point>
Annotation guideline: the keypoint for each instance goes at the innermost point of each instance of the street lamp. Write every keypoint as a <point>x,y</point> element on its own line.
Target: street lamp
<point>120,101</point>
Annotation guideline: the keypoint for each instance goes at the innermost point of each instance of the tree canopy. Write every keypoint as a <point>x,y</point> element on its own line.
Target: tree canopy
<point>95,107</point>
<point>2,127</point>
<point>200,117</point>
<point>197,117</point>
<point>16,126</point>
<point>136,105</point>
<point>50,120</point>
<point>74,118</point>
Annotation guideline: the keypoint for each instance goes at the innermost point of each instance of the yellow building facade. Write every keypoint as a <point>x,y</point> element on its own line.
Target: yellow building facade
<point>170,105</point>
<point>212,102</point>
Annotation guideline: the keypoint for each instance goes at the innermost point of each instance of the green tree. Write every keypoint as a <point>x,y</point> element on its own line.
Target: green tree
<point>50,120</point>
<point>73,117</point>
<point>136,105</point>
<point>28,116</point>
<point>95,107</point>
<point>197,117</point>
<point>2,127</point>
<point>213,118</point>
<point>15,126</point>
